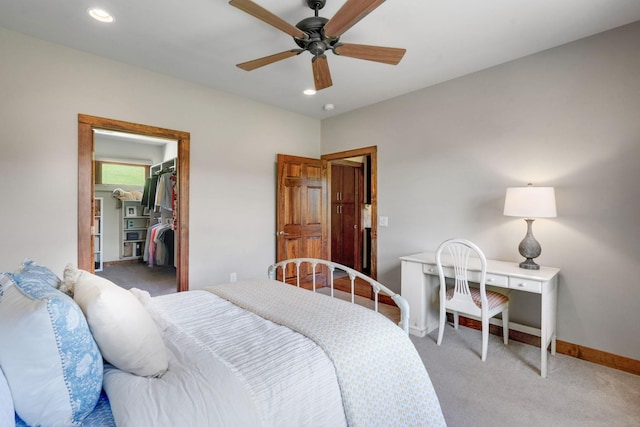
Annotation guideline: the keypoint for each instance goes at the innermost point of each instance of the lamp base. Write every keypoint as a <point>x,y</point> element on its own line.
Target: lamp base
<point>529,264</point>
<point>529,248</point>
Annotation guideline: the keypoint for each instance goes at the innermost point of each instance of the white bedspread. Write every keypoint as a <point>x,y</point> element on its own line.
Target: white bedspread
<point>227,367</point>
<point>381,375</point>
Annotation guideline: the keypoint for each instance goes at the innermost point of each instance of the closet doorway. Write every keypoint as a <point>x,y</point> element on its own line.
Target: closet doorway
<point>86,188</point>
<point>347,203</point>
<point>353,203</point>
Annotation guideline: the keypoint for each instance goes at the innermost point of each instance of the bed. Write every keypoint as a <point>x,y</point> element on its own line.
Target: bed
<point>250,353</point>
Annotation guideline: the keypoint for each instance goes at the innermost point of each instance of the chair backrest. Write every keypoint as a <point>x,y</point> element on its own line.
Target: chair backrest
<point>458,255</point>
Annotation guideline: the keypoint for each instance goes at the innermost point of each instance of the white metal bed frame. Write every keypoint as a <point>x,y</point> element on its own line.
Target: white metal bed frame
<point>377,287</point>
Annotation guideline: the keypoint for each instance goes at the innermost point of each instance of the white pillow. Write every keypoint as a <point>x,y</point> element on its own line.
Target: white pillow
<point>7,413</point>
<point>127,336</point>
<point>69,278</point>
<point>49,358</point>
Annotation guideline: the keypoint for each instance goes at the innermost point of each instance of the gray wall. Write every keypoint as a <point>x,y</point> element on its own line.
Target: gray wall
<point>234,143</point>
<point>569,118</point>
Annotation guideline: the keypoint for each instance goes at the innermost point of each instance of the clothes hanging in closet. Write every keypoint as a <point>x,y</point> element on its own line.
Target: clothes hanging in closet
<point>159,245</point>
<point>159,190</point>
<point>164,246</point>
<point>149,193</point>
<point>164,191</point>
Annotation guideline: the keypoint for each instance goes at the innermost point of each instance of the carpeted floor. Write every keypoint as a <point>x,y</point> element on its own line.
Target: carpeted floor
<point>157,280</point>
<point>507,390</point>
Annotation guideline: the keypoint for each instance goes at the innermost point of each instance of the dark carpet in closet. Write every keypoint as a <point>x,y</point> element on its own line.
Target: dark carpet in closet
<point>157,280</point>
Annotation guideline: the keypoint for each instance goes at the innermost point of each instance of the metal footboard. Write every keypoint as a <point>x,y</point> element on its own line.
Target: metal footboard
<point>377,287</point>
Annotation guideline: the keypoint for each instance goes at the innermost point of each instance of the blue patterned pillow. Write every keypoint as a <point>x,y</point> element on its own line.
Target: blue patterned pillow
<point>48,355</point>
<point>7,418</point>
<point>39,272</point>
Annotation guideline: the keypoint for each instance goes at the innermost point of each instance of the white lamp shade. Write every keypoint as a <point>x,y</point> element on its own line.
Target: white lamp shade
<point>530,202</point>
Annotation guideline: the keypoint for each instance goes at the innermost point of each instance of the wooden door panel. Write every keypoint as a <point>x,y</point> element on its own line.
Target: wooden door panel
<point>336,183</point>
<point>291,212</point>
<point>348,192</point>
<point>316,172</point>
<point>291,246</point>
<point>312,246</point>
<point>336,232</point>
<point>301,212</point>
<point>314,206</point>
<point>348,242</point>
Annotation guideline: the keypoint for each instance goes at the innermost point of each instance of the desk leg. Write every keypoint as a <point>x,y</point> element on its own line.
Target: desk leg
<point>554,313</point>
<point>413,288</point>
<point>421,291</point>
<point>548,324</point>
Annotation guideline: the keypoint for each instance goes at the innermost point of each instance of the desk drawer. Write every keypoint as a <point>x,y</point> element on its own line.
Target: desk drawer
<point>497,280</point>
<point>525,284</point>
<point>472,276</point>
<point>432,269</point>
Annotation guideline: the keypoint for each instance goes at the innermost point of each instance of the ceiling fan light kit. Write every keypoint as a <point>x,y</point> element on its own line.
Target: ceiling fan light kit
<point>317,35</point>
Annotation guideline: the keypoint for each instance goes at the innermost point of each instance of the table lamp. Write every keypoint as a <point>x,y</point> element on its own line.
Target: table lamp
<point>529,203</point>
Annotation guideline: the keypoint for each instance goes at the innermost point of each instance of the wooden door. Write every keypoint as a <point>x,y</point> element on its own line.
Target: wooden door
<point>301,214</point>
<point>345,218</point>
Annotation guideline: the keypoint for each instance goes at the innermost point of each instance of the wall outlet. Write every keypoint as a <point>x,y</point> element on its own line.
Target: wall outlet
<point>233,277</point>
<point>383,221</point>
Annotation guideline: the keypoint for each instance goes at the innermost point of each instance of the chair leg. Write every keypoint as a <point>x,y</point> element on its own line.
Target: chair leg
<point>505,326</point>
<point>443,316</point>
<point>485,337</point>
<point>456,320</point>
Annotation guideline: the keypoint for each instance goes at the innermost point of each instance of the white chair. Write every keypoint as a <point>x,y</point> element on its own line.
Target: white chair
<point>460,298</point>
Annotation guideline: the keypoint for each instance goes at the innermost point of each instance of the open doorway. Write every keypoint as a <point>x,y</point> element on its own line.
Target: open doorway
<point>354,201</point>
<point>87,125</point>
<point>135,239</point>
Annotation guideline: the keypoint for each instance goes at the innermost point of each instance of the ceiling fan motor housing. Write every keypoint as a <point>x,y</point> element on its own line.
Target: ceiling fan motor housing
<point>317,43</point>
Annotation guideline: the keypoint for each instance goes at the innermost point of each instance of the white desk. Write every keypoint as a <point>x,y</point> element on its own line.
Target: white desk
<point>420,284</point>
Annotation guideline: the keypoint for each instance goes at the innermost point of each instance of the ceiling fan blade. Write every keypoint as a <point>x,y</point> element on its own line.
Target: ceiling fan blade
<point>387,55</point>
<point>264,15</point>
<point>348,15</point>
<point>321,73</point>
<point>261,62</point>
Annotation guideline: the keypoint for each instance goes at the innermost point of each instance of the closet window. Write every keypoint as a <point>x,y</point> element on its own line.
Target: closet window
<point>120,173</point>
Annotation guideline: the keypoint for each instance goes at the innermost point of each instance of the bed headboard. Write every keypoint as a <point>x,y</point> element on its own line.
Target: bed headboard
<point>376,286</point>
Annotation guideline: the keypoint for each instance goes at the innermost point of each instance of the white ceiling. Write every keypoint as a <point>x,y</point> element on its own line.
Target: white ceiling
<point>202,40</point>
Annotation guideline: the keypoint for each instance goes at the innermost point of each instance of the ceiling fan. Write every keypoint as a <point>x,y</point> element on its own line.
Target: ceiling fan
<point>318,35</point>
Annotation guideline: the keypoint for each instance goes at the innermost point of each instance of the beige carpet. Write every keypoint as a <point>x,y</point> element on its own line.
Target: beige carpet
<point>507,389</point>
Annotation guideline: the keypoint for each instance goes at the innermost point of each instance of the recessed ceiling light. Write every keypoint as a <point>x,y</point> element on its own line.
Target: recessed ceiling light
<point>328,107</point>
<point>100,15</point>
<point>309,92</point>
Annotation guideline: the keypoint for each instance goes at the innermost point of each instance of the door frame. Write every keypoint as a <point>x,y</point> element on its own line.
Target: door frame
<point>86,188</point>
<point>372,152</point>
